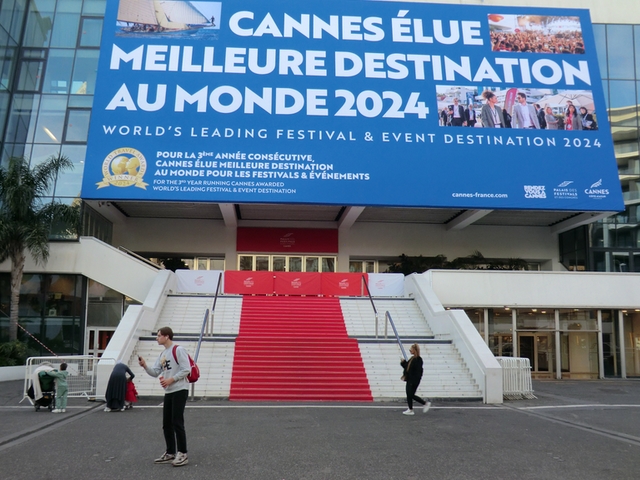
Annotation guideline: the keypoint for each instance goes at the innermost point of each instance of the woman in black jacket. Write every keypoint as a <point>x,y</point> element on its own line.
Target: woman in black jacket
<point>588,123</point>
<point>413,375</point>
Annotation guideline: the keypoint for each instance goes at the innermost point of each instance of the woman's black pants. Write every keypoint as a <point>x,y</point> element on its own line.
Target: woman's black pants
<point>411,395</point>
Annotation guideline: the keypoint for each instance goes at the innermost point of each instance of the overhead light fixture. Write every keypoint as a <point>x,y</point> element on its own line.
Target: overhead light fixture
<point>51,135</point>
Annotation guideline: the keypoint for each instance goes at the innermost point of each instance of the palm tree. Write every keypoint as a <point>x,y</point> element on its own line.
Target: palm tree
<point>26,220</point>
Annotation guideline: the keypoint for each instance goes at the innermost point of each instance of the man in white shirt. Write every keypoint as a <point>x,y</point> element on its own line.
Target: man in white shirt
<point>524,115</point>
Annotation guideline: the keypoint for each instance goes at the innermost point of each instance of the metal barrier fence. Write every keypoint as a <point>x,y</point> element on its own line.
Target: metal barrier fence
<point>82,373</point>
<point>516,378</point>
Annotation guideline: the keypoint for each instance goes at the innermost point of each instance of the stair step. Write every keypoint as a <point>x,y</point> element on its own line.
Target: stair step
<point>281,338</point>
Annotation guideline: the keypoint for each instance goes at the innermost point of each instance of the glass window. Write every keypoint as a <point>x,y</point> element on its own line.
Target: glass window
<point>619,40</point>
<point>262,263</point>
<point>91,32</point>
<point>65,27</point>
<point>30,303</point>
<point>500,332</point>
<point>216,264</point>
<point>4,107</point>
<point>636,36</point>
<point>187,261</point>
<point>62,230</point>
<point>535,319</point>
<point>631,320</point>
<point>245,262</point>
<point>58,76</point>
<point>203,264</point>
<point>295,264</point>
<point>11,17</point>
<point>84,72</point>
<point>577,319</point>
<point>311,264</point>
<point>279,264</point>
<point>605,89</point>
<point>69,182</point>
<point>39,23</point>
<point>599,32</point>
<point>94,7</point>
<point>41,152</point>
<point>328,264</point>
<point>7,60</point>
<point>599,262</point>
<point>51,119</point>
<point>104,307</point>
<point>77,125</point>
<point>22,120</point>
<point>622,93</point>
<point>31,67</point>
<point>610,347</point>
<point>5,302</point>
<point>355,266</point>
<point>476,315</point>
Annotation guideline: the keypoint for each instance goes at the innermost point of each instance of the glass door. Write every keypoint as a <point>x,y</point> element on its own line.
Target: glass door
<point>538,348</point>
<point>97,340</point>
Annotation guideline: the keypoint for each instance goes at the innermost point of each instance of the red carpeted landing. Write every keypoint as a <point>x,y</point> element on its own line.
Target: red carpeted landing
<point>296,349</point>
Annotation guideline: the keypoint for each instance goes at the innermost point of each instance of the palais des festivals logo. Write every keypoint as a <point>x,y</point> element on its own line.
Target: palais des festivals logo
<point>124,167</point>
<point>565,192</point>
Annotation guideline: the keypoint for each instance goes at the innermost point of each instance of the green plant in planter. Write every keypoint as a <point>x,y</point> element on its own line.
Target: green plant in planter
<point>476,261</point>
<point>14,353</point>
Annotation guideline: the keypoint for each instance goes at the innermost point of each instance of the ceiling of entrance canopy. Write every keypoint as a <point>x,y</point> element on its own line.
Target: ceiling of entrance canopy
<point>256,213</point>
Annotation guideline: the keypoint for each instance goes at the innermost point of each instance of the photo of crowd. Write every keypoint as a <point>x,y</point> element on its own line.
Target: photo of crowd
<point>536,34</point>
<point>516,108</point>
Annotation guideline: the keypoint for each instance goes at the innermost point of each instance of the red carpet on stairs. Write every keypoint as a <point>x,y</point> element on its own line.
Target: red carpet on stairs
<point>296,349</point>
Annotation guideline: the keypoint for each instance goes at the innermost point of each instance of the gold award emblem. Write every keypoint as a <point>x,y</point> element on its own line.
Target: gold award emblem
<point>124,167</point>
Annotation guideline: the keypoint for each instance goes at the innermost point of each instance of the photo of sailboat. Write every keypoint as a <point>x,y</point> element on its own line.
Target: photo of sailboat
<point>154,16</point>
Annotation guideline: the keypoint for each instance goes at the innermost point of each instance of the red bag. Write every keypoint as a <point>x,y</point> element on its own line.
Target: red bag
<point>194,373</point>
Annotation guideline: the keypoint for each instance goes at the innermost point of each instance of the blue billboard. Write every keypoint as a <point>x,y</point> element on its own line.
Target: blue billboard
<point>350,103</point>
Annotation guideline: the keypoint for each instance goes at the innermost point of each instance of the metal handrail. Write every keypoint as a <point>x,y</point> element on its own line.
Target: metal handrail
<point>375,310</point>
<point>205,322</point>
<point>215,300</point>
<point>140,257</point>
<point>387,316</point>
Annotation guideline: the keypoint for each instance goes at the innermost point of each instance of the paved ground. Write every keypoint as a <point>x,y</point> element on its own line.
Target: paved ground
<point>574,430</point>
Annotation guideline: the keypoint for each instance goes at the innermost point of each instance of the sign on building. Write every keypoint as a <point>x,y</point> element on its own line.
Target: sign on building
<point>356,103</point>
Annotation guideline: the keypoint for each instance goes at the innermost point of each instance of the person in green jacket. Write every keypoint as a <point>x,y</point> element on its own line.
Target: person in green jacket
<point>61,388</point>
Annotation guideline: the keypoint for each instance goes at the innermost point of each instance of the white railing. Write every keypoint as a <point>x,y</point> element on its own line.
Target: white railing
<point>82,373</point>
<point>516,378</point>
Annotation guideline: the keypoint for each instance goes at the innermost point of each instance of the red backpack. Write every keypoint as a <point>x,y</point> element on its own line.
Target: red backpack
<point>194,373</point>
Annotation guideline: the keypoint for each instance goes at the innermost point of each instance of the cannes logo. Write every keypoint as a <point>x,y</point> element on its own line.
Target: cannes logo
<point>199,281</point>
<point>343,284</point>
<point>565,184</point>
<point>296,283</point>
<point>248,282</point>
<point>596,192</point>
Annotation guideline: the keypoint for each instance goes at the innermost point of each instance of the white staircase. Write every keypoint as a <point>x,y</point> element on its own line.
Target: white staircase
<point>445,375</point>
<point>184,314</point>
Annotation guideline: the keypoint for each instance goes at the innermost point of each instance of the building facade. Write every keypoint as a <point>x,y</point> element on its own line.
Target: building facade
<point>49,52</point>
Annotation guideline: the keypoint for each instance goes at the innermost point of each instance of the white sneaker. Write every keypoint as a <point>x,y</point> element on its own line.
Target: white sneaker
<point>64,410</point>
<point>107,409</point>
<point>408,412</point>
<point>56,410</point>
<point>180,460</point>
<point>426,407</point>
